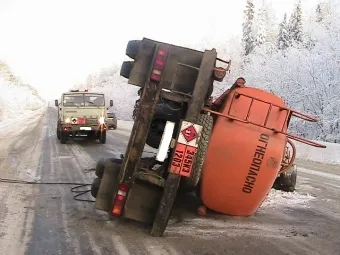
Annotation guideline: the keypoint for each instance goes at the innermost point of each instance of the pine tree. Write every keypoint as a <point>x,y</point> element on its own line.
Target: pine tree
<point>295,25</point>
<point>283,36</point>
<point>319,14</point>
<point>248,28</point>
<point>270,21</point>
<point>323,13</point>
<point>260,27</point>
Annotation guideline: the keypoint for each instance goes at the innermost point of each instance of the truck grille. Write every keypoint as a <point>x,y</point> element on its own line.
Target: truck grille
<point>92,121</point>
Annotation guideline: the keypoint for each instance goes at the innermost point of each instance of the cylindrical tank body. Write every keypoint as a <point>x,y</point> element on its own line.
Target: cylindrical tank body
<point>243,159</point>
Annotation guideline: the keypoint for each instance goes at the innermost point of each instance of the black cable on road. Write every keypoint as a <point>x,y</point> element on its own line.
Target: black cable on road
<point>73,190</point>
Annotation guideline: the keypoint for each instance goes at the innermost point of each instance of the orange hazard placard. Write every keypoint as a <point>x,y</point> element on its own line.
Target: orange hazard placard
<point>183,159</point>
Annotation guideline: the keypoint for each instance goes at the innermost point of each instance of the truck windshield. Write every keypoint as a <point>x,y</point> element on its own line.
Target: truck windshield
<point>83,99</point>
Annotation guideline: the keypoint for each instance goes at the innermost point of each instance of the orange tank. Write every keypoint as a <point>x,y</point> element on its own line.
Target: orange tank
<point>245,153</point>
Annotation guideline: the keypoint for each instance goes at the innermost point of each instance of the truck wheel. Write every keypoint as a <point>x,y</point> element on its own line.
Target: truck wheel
<point>126,69</point>
<point>63,137</point>
<point>95,187</point>
<point>58,130</point>
<point>133,48</point>
<point>58,134</point>
<point>165,110</point>
<point>189,183</point>
<point>166,205</point>
<point>277,184</point>
<point>101,165</point>
<point>102,137</point>
<point>156,130</point>
<point>288,179</point>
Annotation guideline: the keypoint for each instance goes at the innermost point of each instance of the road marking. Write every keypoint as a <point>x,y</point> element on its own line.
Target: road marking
<point>119,245</point>
<point>321,174</point>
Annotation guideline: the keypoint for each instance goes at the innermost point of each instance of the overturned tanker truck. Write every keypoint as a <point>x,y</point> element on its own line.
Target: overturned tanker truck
<point>231,155</point>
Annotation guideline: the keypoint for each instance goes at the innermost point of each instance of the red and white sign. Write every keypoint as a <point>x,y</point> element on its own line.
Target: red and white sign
<point>186,148</point>
<point>190,134</point>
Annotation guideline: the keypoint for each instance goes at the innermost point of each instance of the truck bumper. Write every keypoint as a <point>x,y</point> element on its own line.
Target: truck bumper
<point>82,128</point>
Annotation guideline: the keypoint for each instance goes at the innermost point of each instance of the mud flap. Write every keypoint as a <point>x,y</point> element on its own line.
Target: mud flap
<point>142,202</point>
<point>107,187</point>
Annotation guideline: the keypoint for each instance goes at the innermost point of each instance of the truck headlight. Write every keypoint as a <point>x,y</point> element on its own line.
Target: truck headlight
<point>101,120</point>
<point>67,120</point>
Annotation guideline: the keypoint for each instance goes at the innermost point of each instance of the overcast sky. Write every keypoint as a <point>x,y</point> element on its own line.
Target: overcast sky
<point>54,44</point>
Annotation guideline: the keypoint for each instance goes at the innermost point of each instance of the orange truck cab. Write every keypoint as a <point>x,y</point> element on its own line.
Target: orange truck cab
<point>245,151</point>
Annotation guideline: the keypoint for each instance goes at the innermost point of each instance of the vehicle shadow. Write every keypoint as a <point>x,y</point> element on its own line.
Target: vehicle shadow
<point>83,141</point>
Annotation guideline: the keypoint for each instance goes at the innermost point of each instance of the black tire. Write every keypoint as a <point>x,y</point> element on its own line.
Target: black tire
<point>206,121</point>
<point>58,130</point>
<point>166,205</point>
<point>135,110</point>
<point>102,137</point>
<point>132,48</point>
<point>155,132</point>
<point>63,137</point>
<point>95,187</point>
<point>288,180</point>
<point>126,69</point>
<point>100,166</point>
<point>165,110</point>
<point>277,184</point>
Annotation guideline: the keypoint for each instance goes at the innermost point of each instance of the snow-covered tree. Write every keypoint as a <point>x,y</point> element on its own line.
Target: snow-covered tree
<point>260,27</point>
<point>295,25</point>
<point>319,13</point>
<point>248,38</point>
<point>283,36</point>
<point>271,23</point>
<point>323,12</point>
<point>307,79</point>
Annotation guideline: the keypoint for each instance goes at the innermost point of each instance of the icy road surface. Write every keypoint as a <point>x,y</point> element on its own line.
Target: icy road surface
<point>45,219</point>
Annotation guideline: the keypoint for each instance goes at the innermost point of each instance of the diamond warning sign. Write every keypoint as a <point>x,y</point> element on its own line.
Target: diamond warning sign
<point>189,133</point>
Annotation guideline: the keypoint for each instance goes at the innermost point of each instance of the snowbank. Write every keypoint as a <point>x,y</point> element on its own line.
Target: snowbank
<point>329,155</point>
<point>17,101</point>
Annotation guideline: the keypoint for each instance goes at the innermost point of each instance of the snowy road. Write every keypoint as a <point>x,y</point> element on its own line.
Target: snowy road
<point>45,219</point>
